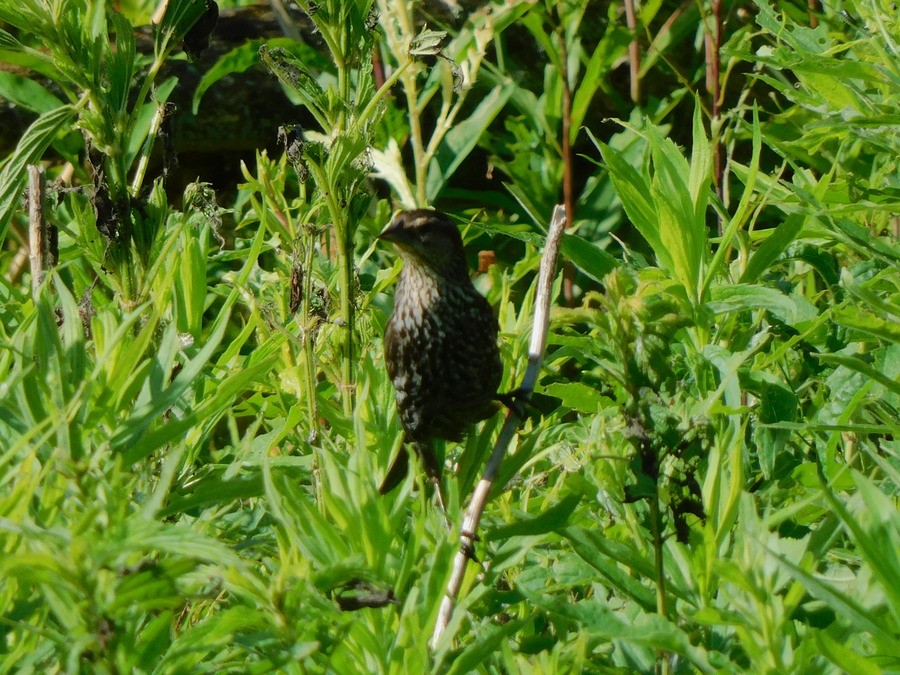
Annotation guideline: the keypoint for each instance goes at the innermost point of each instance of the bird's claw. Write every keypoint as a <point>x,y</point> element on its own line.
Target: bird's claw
<point>467,545</point>
<point>516,400</point>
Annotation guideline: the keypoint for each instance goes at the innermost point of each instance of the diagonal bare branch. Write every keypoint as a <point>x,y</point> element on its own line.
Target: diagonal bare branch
<point>510,424</point>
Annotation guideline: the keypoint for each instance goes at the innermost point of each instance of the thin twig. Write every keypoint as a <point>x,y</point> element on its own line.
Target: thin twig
<point>510,424</point>
<point>37,229</point>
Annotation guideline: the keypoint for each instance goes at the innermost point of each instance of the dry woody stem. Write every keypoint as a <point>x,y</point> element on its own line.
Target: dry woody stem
<point>37,227</point>
<point>513,417</point>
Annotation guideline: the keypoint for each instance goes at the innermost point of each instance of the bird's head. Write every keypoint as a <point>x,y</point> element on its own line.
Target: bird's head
<point>430,239</point>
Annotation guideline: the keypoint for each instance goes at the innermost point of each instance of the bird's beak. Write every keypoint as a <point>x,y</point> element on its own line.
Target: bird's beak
<point>387,234</point>
<point>393,233</point>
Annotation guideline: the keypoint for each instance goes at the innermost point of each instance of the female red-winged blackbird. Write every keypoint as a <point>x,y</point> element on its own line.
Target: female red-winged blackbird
<point>441,341</point>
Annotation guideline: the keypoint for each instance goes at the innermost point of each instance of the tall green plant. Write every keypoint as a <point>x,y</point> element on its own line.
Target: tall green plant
<point>668,207</point>
<point>334,158</point>
<point>431,67</point>
<point>114,98</point>
<point>532,152</point>
<point>87,401</point>
<point>710,483</point>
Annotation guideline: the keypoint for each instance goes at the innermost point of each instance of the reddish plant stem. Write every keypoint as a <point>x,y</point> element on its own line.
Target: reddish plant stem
<point>568,190</point>
<point>377,66</point>
<point>813,13</point>
<point>634,56</point>
<point>713,86</point>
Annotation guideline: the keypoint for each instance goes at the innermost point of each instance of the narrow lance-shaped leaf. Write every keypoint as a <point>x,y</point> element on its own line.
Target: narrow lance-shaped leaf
<point>701,174</point>
<point>592,260</point>
<point>7,41</point>
<point>293,73</point>
<point>27,93</point>
<point>633,190</point>
<point>34,142</point>
<point>681,231</point>
<point>784,234</point>
<point>737,221</point>
<point>462,138</point>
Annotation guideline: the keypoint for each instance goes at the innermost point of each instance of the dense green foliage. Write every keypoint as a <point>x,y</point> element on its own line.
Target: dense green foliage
<point>195,416</point>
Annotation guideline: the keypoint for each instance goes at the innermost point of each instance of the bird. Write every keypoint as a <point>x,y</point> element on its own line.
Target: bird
<point>440,343</point>
<point>196,40</point>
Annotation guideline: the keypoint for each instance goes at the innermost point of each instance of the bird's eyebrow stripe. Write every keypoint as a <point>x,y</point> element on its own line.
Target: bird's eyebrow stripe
<point>421,221</point>
<point>427,225</point>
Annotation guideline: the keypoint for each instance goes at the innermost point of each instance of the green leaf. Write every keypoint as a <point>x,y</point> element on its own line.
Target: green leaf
<point>777,403</point>
<point>203,417</point>
<point>27,93</point>
<point>700,177</point>
<point>634,192</point>
<point>772,248</point>
<point>554,518</point>
<point>212,491</point>
<point>306,526</point>
<point>860,235</point>
<point>743,210</point>
<point>526,202</point>
<point>238,60</point>
<point>462,139</point>
<point>295,75</point>
<point>427,43</point>
<point>180,16</point>
<point>7,41</point>
<point>126,437</point>
<point>120,64</point>
<point>613,43</point>
<point>142,119</point>
<point>860,366</point>
<point>486,644</point>
<point>682,223</point>
<point>843,604</point>
<point>649,630</point>
<point>794,310</point>
<point>589,258</point>
<point>843,657</point>
<point>877,534</point>
<point>244,57</point>
<point>605,555</point>
<point>577,396</point>
<point>34,142</point>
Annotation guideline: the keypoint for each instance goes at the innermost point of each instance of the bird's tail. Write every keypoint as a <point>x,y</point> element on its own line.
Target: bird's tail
<point>397,472</point>
<point>400,466</point>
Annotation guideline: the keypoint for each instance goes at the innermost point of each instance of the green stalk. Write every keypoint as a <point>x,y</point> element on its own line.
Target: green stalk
<point>444,122</point>
<point>415,136</point>
<point>411,92</point>
<point>141,171</point>
<point>346,265</point>
<point>346,279</point>
<point>656,531</point>
<point>143,93</point>
<point>343,85</point>
<point>309,352</point>
<point>385,88</point>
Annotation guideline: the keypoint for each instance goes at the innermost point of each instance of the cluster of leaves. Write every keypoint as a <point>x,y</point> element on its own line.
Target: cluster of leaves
<point>194,413</point>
